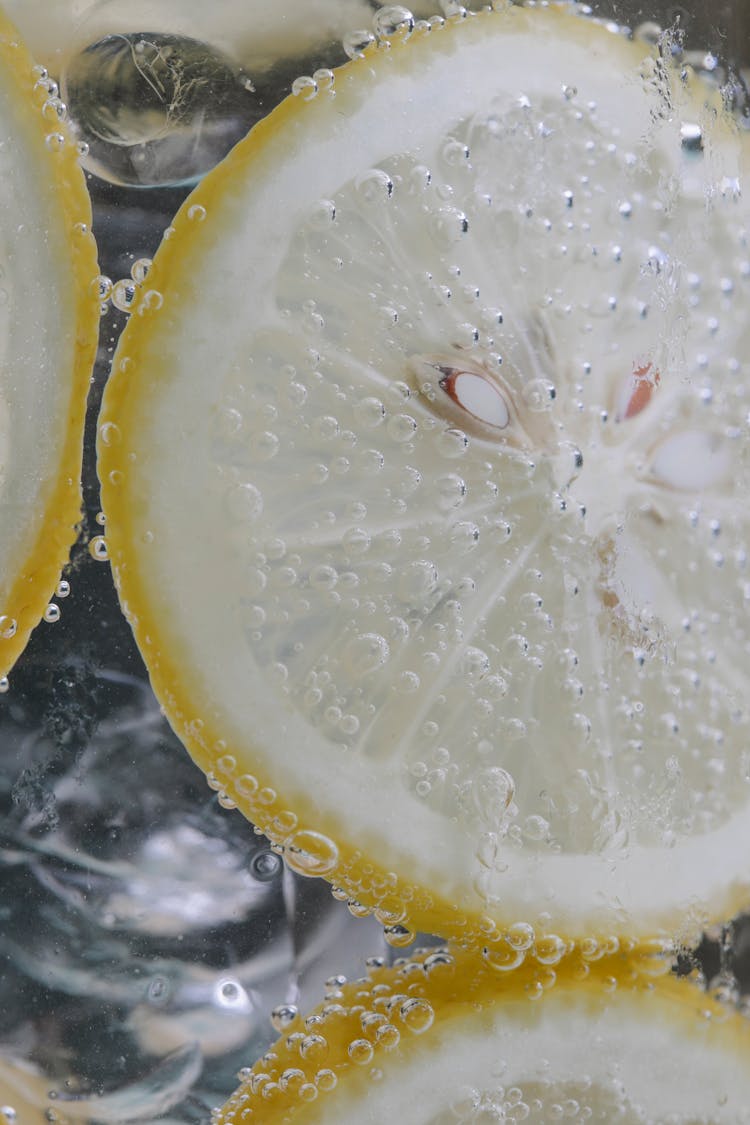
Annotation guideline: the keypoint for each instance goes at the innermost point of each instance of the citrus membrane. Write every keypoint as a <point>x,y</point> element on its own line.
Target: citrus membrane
<point>425,467</point>
<point>437,1040</point>
<point>49,315</point>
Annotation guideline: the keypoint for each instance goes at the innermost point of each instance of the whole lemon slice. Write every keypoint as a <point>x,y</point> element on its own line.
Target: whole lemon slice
<point>439,1040</point>
<point>425,466</point>
<point>49,315</point>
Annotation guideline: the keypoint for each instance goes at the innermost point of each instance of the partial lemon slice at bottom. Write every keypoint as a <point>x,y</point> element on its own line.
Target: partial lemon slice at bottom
<point>426,474</point>
<point>49,316</point>
<point>440,1040</point>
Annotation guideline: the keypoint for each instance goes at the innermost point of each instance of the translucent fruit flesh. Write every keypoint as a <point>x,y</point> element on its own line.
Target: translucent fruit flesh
<point>49,316</point>
<point>439,1040</point>
<point>426,482</point>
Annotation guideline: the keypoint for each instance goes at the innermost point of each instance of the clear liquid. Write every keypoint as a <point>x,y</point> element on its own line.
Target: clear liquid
<point>146,933</point>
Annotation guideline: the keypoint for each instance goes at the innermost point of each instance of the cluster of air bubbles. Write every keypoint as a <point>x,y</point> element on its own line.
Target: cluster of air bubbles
<point>308,86</point>
<point>128,292</point>
<point>54,112</point>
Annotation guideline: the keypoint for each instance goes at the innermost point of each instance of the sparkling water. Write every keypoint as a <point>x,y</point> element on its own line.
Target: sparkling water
<point>151,944</point>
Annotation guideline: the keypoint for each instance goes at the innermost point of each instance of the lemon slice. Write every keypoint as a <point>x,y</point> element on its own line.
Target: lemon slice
<point>49,314</point>
<point>437,1041</point>
<point>425,466</point>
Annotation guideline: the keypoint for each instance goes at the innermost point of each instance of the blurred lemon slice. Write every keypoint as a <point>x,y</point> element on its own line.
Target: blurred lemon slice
<point>425,466</point>
<point>49,314</point>
<point>437,1041</point>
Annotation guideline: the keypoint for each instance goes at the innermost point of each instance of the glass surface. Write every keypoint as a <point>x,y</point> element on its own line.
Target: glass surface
<point>145,932</point>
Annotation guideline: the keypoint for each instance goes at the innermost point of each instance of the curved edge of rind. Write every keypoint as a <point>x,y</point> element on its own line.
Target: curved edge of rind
<point>457,988</point>
<point>395,900</point>
<point>33,587</point>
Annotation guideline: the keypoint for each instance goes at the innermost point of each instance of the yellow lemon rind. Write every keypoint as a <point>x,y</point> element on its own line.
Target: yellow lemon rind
<point>35,582</point>
<point>396,898</point>
<point>292,1081</point>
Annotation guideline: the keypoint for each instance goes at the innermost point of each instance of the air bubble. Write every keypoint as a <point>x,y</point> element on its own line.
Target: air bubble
<point>503,957</point>
<point>124,293</point>
<point>401,428</point>
<point>452,443</point>
<point>366,653</point>
<point>305,87</point>
<point>313,1048</point>
<point>110,434</point>
<point>63,588</point>
<point>520,935</point>
<point>98,548</point>
<point>398,936</point>
<point>539,394</point>
<point>393,20</point>
<point>283,1016</point>
<point>374,186</point>
<point>139,269</point>
<point>550,949</point>
<point>326,1079</point>
<point>417,1014</point>
<point>52,613</point>
<point>416,580</point>
<point>360,1051</point>
<point>265,866</point>
<point>447,226</point>
<point>244,502</point>
<point>355,43</point>
<point>369,412</point>
<point>311,853</point>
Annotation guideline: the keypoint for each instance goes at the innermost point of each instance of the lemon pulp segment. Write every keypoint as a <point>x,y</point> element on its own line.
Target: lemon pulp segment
<point>425,469</point>
<point>438,1040</point>
<point>48,330</point>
